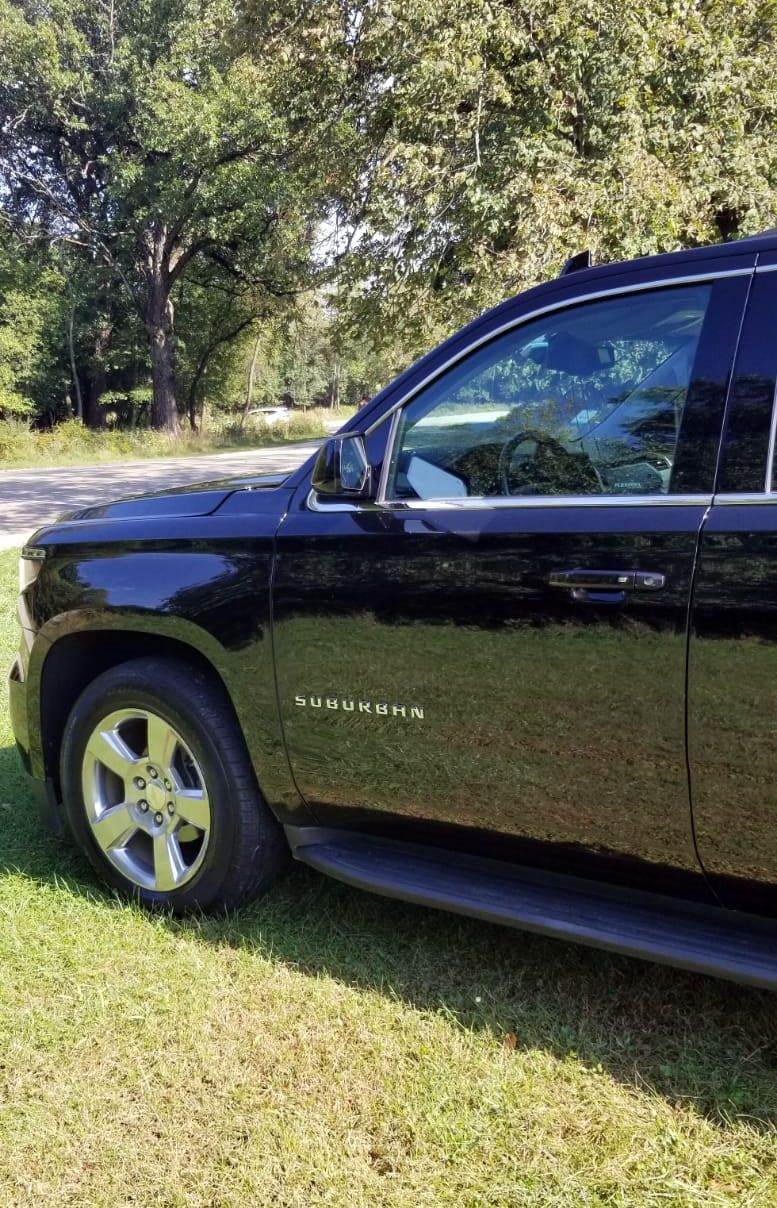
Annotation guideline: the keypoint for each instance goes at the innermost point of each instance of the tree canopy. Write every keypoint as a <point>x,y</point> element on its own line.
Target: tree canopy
<point>145,135</point>
<point>189,185</point>
<point>499,139</point>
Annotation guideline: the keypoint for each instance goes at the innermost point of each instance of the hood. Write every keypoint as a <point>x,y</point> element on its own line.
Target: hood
<point>196,499</point>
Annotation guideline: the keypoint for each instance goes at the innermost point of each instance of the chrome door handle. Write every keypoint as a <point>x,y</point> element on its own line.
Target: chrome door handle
<point>582,579</point>
<point>648,580</point>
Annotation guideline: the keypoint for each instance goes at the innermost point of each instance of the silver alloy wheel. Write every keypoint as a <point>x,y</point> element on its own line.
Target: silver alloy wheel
<point>146,799</point>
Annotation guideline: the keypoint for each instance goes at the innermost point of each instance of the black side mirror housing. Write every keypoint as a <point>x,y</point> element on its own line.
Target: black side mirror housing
<point>342,469</point>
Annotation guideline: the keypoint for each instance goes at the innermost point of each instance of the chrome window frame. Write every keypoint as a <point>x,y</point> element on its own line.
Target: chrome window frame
<point>738,498</point>
<point>769,480</point>
<point>483,502</point>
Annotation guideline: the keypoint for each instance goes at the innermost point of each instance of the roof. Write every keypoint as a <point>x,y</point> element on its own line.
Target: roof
<point>751,245</point>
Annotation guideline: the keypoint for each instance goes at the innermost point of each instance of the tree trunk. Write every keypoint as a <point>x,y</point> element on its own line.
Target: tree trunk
<point>192,408</point>
<point>334,393</point>
<point>71,344</point>
<point>97,379</point>
<point>191,402</point>
<point>73,366</point>
<point>164,410</point>
<point>95,386</point>
<point>161,333</point>
<point>250,389</point>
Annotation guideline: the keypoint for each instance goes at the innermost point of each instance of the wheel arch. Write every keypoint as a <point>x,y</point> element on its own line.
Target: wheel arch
<point>75,659</point>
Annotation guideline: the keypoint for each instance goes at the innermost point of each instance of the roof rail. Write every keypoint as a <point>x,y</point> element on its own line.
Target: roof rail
<point>772,231</point>
<point>575,263</point>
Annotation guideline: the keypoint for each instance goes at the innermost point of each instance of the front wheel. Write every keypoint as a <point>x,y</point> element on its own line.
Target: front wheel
<point>159,791</point>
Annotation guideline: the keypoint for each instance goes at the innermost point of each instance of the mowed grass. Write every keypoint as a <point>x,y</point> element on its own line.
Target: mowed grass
<point>325,1047</point>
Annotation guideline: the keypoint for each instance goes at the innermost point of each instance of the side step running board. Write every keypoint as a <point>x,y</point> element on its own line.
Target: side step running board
<point>704,939</point>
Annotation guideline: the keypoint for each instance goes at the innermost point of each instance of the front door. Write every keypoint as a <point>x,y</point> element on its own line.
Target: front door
<point>494,655</point>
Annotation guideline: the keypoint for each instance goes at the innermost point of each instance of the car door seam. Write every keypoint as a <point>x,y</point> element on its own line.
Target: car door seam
<point>686,720</point>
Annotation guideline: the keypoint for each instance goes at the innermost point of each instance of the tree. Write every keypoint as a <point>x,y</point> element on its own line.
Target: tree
<point>214,312</point>
<point>206,166</point>
<point>33,313</point>
<point>142,133</point>
<point>492,140</point>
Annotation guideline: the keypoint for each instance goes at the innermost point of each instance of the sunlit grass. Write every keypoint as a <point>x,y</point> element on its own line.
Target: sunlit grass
<point>325,1047</point>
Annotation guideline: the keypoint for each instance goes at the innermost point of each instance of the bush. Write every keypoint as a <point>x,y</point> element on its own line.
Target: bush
<point>70,443</point>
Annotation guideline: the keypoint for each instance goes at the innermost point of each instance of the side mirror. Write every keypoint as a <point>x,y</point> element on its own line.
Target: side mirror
<point>342,468</point>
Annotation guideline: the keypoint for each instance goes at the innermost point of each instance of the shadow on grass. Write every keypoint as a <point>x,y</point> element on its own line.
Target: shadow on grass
<point>693,1040</point>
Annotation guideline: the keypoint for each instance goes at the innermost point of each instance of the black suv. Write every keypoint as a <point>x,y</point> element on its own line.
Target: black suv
<point>507,645</point>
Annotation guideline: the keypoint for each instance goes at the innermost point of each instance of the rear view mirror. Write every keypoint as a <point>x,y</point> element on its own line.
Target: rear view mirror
<point>342,468</point>
<point>567,354</point>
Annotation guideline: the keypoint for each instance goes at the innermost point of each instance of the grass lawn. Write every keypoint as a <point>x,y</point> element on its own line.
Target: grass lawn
<point>325,1047</point>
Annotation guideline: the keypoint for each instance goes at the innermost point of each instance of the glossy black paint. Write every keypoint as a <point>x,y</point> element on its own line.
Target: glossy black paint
<point>207,591</point>
<point>552,722</point>
<point>733,635</point>
<point>522,720</point>
<point>745,441</point>
<point>732,704</point>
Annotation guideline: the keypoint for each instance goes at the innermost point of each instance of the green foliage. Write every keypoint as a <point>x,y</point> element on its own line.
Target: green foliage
<point>30,296</point>
<point>71,443</point>
<point>145,135</point>
<point>498,139</point>
<point>347,182</point>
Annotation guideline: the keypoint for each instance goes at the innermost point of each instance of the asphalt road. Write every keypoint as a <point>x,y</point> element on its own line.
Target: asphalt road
<point>30,498</point>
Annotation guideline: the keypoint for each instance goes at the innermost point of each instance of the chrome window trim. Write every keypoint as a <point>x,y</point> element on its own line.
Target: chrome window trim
<point>734,498</point>
<point>484,503</point>
<point>384,469</point>
<point>314,504</point>
<point>769,483</point>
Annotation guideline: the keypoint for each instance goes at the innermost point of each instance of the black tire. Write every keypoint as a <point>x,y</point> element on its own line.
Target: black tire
<point>246,850</point>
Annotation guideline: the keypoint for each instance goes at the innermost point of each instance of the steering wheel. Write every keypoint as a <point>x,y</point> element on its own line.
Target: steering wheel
<point>563,471</point>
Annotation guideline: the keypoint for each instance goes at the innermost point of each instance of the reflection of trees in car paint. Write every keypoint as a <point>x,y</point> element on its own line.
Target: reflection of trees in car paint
<point>732,695</point>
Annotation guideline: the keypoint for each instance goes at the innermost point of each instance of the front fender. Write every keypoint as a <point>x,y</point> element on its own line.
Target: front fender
<point>214,601</point>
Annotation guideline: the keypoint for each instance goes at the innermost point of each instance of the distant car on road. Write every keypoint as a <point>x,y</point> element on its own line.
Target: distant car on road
<point>506,644</point>
<point>271,415</point>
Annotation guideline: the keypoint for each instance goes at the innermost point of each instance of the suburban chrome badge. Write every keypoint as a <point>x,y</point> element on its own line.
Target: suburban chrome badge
<point>351,704</point>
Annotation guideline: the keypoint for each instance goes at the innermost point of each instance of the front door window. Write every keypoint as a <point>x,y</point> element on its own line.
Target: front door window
<point>582,401</point>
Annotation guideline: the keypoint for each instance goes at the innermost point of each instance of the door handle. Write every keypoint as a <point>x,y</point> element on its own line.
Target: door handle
<point>615,581</point>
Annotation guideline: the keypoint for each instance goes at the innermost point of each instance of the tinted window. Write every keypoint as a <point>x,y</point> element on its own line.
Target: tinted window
<point>586,400</point>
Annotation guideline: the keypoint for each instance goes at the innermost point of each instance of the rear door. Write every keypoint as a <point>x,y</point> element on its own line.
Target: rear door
<point>732,674</point>
<point>494,656</point>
